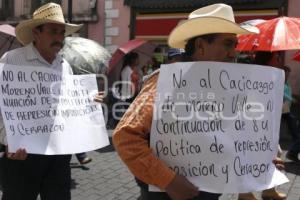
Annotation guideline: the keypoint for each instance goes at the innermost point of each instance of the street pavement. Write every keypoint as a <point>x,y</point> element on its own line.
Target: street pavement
<point>107,178</point>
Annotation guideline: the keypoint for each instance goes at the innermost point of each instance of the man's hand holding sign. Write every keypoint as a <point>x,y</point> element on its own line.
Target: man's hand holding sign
<point>48,112</point>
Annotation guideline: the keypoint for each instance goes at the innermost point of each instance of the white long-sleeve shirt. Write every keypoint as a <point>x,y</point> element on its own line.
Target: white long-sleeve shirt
<point>126,90</point>
<point>29,56</point>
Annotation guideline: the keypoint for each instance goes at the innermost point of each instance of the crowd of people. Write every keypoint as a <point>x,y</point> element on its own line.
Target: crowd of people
<point>50,176</point>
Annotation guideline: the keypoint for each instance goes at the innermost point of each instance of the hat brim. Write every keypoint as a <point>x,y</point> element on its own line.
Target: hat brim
<point>202,26</point>
<point>24,29</point>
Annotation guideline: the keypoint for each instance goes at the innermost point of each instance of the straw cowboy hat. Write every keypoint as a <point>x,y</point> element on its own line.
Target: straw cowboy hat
<point>216,18</point>
<point>48,13</point>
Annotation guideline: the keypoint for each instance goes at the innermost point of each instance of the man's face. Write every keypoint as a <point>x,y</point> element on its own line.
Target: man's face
<point>49,39</point>
<point>222,49</point>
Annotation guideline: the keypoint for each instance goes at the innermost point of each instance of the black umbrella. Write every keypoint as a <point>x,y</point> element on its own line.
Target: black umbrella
<point>85,56</point>
<point>7,38</point>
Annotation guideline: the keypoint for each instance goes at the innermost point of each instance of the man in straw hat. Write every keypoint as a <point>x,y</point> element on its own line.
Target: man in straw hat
<point>25,176</point>
<point>209,34</point>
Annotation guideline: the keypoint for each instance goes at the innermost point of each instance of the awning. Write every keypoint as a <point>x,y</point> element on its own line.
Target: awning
<point>158,26</point>
<point>190,4</point>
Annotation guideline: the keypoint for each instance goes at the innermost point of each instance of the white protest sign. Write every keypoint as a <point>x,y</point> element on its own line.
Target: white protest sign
<point>48,113</point>
<point>218,124</point>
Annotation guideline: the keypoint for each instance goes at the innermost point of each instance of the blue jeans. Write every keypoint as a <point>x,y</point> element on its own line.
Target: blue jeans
<point>80,156</point>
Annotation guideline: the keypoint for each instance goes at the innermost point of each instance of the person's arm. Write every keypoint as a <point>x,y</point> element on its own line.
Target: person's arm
<point>20,154</point>
<point>279,163</point>
<point>99,97</point>
<point>131,140</point>
<point>125,83</point>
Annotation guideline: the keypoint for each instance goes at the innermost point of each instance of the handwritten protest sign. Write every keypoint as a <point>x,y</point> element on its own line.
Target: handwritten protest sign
<point>218,124</point>
<point>48,113</point>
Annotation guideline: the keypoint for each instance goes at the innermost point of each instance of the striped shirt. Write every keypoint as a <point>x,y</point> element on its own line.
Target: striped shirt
<point>29,56</point>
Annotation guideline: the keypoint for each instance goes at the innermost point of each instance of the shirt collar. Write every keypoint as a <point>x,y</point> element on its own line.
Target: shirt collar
<point>33,54</point>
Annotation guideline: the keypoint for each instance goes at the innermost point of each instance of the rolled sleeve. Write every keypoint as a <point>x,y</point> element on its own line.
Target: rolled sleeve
<point>131,140</point>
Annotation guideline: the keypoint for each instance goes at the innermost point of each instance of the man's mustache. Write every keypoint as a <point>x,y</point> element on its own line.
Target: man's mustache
<point>57,44</point>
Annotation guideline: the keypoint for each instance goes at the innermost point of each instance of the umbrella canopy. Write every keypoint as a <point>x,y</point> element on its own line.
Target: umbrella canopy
<point>137,45</point>
<point>8,29</point>
<point>144,48</point>
<point>7,38</point>
<point>85,56</point>
<point>297,56</point>
<point>282,33</point>
<point>253,22</point>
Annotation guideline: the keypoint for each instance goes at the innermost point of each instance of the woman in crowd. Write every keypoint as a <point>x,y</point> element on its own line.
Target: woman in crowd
<point>130,77</point>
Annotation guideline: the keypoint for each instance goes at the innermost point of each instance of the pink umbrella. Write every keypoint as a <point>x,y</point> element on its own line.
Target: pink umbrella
<point>142,47</point>
<point>7,38</point>
<point>8,29</point>
<point>297,56</point>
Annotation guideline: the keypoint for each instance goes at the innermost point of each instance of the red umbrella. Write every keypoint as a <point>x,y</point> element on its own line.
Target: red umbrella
<point>142,47</point>
<point>297,56</point>
<point>137,45</point>
<point>281,33</point>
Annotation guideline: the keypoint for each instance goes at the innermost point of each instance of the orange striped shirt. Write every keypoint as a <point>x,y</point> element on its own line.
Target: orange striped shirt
<point>132,135</point>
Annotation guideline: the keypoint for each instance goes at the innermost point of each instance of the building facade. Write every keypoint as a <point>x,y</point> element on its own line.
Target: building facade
<point>114,22</point>
<point>165,14</point>
<point>87,12</point>
<point>154,19</point>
